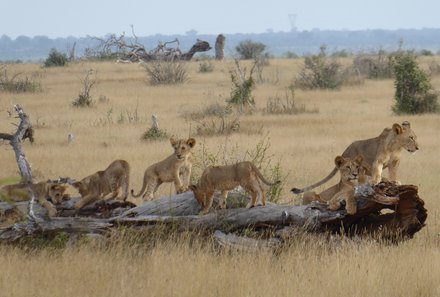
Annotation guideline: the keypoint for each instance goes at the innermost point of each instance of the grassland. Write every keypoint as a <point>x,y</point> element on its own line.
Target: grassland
<point>306,145</point>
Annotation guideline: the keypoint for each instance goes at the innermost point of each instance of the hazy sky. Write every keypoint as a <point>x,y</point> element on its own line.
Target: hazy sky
<point>58,18</point>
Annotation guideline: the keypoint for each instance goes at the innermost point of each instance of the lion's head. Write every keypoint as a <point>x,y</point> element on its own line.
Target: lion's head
<point>405,137</point>
<point>349,168</point>
<point>199,194</point>
<point>182,147</point>
<point>56,193</point>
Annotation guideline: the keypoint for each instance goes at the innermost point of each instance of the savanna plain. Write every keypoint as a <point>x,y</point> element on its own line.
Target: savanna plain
<point>303,144</point>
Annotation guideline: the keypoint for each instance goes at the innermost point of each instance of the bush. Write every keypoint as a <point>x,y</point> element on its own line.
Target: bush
<point>374,66</point>
<point>84,98</point>
<point>18,83</point>
<point>276,105</point>
<point>55,58</point>
<point>154,133</point>
<point>241,93</point>
<point>249,49</point>
<point>166,72</point>
<point>319,73</point>
<point>413,90</point>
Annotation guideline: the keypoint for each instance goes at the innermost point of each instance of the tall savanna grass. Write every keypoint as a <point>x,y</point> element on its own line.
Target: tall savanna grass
<point>305,143</point>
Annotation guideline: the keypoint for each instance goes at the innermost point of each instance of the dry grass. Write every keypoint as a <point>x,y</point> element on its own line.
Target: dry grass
<point>306,144</point>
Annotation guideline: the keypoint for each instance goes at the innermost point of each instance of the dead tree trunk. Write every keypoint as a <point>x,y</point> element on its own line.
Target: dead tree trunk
<point>24,131</point>
<point>220,47</point>
<point>407,215</point>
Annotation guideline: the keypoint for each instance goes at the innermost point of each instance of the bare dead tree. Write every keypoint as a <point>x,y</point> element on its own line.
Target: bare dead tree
<point>220,47</point>
<point>24,131</point>
<point>131,50</point>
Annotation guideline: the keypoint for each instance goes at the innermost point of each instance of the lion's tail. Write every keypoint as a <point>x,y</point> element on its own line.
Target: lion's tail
<point>144,186</point>
<point>261,177</point>
<point>326,179</point>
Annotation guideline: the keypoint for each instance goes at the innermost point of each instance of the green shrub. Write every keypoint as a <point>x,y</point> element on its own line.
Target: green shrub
<point>166,72</point>
<point>249,49</point>
<point>319,72</point>
<point>55,58</point>
<point>154,133</point>
<point>414,93</point>
<point>241,93</point>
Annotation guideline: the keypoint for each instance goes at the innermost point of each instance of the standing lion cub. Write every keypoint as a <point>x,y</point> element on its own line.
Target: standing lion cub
<point>175,168</point>
<point>226,178</point>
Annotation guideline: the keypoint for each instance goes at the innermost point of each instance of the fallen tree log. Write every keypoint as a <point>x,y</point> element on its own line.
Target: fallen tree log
<point>405,215</point>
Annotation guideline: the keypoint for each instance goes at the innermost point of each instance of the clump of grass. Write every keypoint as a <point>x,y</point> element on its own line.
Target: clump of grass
<point>166,72</point>
<point>286,105</point>
<point>214,119</point>
<point>154,133</point>
<point>206,66</point>
<point>18,82</point>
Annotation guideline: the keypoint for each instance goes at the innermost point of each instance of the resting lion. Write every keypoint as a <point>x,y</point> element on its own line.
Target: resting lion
<point>102,183</point>
<point>351,171</point>
<point>46,193</point>
<point>225,178</point>
<point>380,152</point>
<point>175,168</point>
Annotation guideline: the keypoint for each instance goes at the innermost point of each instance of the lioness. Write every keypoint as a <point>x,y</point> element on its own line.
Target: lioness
<point>225,178</point>
<point>351,172</point>
<point>46,193</point>
<point>175,168</point>
<point>380,152</point>
<point>100,184</point>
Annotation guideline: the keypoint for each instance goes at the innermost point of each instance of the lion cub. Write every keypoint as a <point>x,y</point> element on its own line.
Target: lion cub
<point>100,184</point>
<point>46,193</point>
<point>352,173</point>
<point>225,178</point>
<point>176,168</point>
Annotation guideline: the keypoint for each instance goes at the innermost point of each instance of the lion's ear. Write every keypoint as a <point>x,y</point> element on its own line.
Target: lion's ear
<point>397,129</point>
<point>57,187</point>
<point>406,125</point>
<point>191,142</point>
<point>359,159</point>
<point>339,160</point>
<point>76,185</point>
<point>173,141</point>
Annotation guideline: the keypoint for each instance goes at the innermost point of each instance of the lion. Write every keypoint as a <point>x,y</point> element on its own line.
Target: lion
<point>102,183</point>
<point>175,168</point>
<point>226,178</point>
<point>380,152</point>
<point>47,194</point>
<point>352,173</point>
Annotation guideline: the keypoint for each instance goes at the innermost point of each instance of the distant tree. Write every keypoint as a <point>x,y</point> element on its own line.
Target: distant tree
<point>55,58</point>
<point>414,93</point>
<point>249,49</point>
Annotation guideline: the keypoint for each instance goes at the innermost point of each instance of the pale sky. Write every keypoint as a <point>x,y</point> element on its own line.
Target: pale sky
<point>79,18</point>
